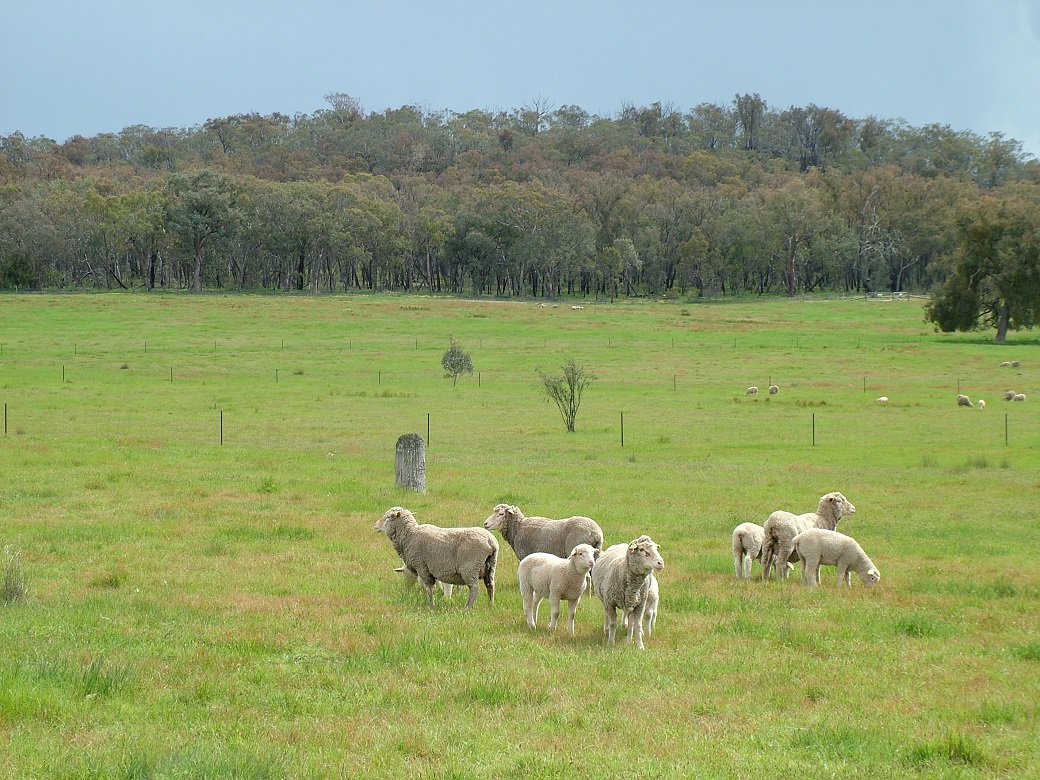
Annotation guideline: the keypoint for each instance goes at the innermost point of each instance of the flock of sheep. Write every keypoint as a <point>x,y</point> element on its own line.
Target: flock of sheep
<point>811,538</point>
<point>559,559</point>
<point>963,400</point>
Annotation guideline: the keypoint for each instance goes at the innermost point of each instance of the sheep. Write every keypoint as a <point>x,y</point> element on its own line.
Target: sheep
<point>747,548</point>
<point>1019,397</point>
<point>751,391</point>
<point>981,404</point>
<point>653,598</point>
<point>818,546</point>
<point>963,400</point>
<point>781,527</point>
<point>773,389</point>
<point>1015,363</point>
<point>544,575</point>
<point>1006,364</point>
<point>457,556</point>
<point>528,535</point>
<point>622,577</point>
<point>1009,395</point>
<point>882,400</point>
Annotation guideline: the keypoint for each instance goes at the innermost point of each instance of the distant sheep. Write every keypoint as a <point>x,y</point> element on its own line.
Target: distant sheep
<point>622,577</point>
<point>781,527</point>
<point>818,546</point>
<point>963,400</point>
<point>751,391</point>
<point>773,389</point>
<point>1006,364</point>
<point>1009,395</point>
<point>882,400</point>
<point>747,548</point>
<point>1019,397</point>
<point>577,308</point>
<point>528,535</point>
<point>543,575</point>
<point>457,556</point>
<point>1015,364</point>
<point>981,404</point>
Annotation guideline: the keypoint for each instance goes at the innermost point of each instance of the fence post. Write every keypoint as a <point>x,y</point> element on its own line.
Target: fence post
<point>410,463</point>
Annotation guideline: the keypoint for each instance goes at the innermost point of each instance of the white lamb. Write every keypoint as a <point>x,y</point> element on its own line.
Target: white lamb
<point>963,400</point>
<point>622,577</point>
<point>1019,397</point>
<point>782,527</point>
<point>747,548</point>
<point>543,575</point>
<point>882,400</point>
<point>982,404</point>
<point>527,535</point>
<point>457,556</point>
<point>819,546</point>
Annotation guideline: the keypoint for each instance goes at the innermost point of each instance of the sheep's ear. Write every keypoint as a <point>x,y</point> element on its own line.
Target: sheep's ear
<point>595,554</point>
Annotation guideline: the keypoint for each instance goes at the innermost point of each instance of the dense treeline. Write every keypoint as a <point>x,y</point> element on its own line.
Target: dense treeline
<point>540,201</point>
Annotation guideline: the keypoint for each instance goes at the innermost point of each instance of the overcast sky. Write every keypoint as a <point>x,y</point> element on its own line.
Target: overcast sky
<point>85,67</point>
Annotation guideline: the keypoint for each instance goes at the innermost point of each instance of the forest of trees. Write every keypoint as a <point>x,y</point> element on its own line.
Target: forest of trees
<point>540,201</point>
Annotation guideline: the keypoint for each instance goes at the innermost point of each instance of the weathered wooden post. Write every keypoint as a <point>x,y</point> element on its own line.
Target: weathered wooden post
<point>410,463</point>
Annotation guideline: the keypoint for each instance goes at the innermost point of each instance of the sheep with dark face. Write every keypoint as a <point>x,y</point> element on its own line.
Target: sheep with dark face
<point>456,556</point>
<point>528,535</point>
<point>622,578</point>
<point>782,527</point>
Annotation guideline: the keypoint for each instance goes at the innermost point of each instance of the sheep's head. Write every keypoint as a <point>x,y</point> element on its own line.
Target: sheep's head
<point>836,504</point>
<point>644,555</point>
<point>870,579</point>
<point>392,515</point>
<point>502,514</point>
<point>583,557</point>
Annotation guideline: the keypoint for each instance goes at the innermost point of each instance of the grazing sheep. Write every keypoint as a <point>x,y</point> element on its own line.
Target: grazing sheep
<point>751,391</point>
<point>773,389</point>
<point>882,400</point>
<point>1019,397</point>
<point>981,404</point>
<point>1006,364</point>
<point>457,556</point>
<point>1015,364</point>
<point>963,400</point>
<point>527,535</point>
<point>1009,395</point>
<point>747,548</point>
<point>782,527</point>
<point>818,546</point>
<point>544,575</point>
<point>622,578</point>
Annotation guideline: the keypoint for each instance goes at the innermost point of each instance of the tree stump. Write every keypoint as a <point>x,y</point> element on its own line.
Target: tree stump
<point>410,463</point>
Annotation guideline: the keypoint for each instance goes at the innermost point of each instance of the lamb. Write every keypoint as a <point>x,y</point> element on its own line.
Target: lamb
<point>963,400</point>
<point>981,404</point>
<point>456,556</point>
<point>773,389</point>
<point>747,548</point>
<point>543,575</point>
<point>528,535</point>
<point>751,391</point>
<point>781,527</point>
<point>622,578</point>
<point>653,598</point>
<point>818,546</point>
<point>882,400</point>
<point>1018,397</point>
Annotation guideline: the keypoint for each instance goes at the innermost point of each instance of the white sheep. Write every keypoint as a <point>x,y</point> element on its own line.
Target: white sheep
<point>528,535</point>
<point>780,529</point>
<point>544,575</point>
<point>653,598</point>
<point>819,546</point>
<point>622,581</point>
<point>751,391</point>
<point>1006,364</point>
<point>457,556</point>
<point>747,548</point>
<point>1009,395</point>
<point>963,400</point>
<point>773,389</point>
<point>981,404</point>
<point>1019,397</point>
<point>882,400</point>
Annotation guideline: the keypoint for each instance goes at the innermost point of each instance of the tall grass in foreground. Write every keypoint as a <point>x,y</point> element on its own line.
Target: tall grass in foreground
<point>208,609</point>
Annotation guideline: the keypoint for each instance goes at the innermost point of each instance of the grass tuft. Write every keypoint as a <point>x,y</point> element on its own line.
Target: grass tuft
<point>954,748</point>
<point>15,586</point>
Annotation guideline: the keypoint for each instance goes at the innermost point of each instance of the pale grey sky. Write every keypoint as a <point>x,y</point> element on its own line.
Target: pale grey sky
<point>84,67</point>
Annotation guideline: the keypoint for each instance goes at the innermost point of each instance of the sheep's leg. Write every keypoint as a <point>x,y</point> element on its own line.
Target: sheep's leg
<point>635,627</point>
<point>738,564</point>
<point>609,623</point>
<point>472,595</point>
<point>783,556</point>
<point>573,608</point>
<point>843,576</point>
<point>554,612</point>
<point>489,583</point>
<point>447,588</point>
<point>536,603</point>
<point>767,560</point>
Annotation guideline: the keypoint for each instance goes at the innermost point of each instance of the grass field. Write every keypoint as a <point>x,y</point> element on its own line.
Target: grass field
<point>190,484</point>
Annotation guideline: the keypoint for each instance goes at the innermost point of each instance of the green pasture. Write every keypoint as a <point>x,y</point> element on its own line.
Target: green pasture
<point>189,486</point>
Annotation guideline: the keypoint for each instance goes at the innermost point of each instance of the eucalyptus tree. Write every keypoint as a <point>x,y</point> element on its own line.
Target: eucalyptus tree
<point>200,209</point>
